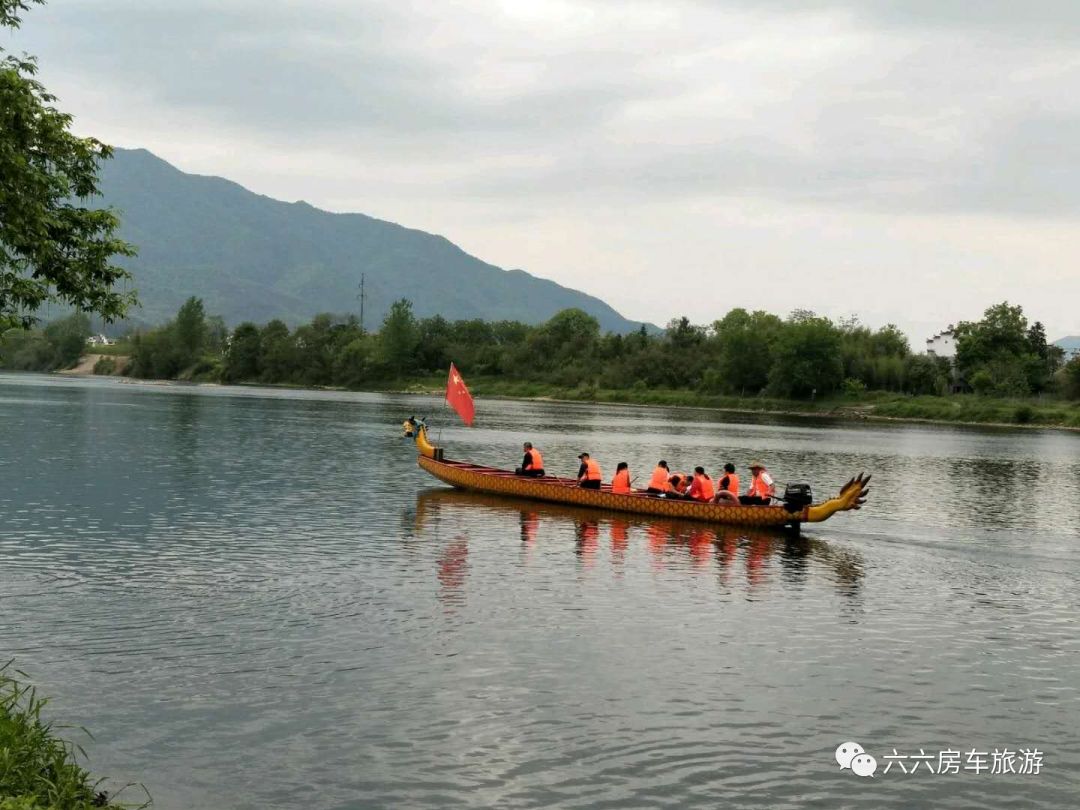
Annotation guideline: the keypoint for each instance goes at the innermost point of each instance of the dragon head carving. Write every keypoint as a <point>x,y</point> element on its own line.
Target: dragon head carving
<point>852,495</point>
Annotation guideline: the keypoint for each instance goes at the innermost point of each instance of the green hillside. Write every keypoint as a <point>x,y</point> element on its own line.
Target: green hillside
<point>254,258</point>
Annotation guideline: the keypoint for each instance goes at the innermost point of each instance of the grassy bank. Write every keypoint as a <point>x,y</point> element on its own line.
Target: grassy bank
<point>120,348</point>
<point>955,409</point>
<point>38,770</point>
<point>952,409</point>
<point>982,410</point>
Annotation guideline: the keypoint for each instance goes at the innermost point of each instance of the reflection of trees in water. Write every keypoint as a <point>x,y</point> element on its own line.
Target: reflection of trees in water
<point>977,487</point>
<point>183,421</point>
<point>1072,495</point>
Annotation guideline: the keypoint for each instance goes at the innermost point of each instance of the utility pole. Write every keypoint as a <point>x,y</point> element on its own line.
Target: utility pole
<point>361,296</point>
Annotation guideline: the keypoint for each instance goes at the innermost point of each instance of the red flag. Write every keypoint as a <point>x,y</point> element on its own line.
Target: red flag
<point>458,396</point>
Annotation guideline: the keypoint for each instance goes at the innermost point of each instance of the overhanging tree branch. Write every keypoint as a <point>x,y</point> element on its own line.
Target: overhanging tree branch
<point>53,247</point>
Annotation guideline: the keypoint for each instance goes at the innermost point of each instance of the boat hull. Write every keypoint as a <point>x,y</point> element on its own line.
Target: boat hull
<point>563,490</point>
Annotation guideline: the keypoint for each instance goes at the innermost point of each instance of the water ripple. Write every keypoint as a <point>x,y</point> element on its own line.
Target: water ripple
<point>243,595</point>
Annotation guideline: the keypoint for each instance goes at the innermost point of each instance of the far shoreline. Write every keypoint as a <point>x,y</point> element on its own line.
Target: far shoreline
<point>839,415</point>
<point>855,410</point>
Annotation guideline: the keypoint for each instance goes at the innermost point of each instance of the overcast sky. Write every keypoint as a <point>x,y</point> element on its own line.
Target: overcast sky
<point>911,161</point>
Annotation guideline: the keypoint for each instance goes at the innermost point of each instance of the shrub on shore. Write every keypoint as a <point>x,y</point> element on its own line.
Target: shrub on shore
<point>38,770</point>
<point>105,365</point>
<point>58,345</point>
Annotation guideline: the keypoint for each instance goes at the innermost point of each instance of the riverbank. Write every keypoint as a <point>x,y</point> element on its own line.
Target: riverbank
<point>101,365</point>
<point>38,770</point>
<point>954,409</point>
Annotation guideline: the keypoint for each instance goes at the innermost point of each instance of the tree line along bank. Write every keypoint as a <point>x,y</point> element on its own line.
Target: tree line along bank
<point>742,354</point>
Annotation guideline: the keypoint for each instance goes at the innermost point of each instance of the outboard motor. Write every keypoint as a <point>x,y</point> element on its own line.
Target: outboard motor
<point>797,496</point>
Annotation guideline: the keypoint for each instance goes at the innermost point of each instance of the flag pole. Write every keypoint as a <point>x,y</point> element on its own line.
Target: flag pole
<point>445,401</point>
<point>446,388</point>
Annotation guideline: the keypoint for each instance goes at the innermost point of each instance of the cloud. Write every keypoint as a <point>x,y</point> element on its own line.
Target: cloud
<point>338,70</point>
<point>878,105</point>
<point>485,119</point>
<point>1046,19</point>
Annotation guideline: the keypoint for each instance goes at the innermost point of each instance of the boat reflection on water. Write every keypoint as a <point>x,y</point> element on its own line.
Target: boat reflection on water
<point>733,553</point>
<point>453,568</point>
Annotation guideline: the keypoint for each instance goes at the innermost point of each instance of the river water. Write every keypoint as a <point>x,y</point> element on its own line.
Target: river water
<point>255,599</point>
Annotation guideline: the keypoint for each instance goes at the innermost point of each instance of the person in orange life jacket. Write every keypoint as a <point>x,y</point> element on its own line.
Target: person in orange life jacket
<point>588,473</point>
<point>620,484</point>
<point>728,489</point>
<point>659,483</point>
<point>762,489</point>
<point>680,484</point>
<point>702,488</point>
<point>532,464</point>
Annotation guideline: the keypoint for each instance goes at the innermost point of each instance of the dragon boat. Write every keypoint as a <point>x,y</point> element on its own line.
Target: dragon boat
<point>790,513</point>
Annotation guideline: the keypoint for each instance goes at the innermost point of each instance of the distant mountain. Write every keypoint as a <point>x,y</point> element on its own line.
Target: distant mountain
<point>250,257</point>
<point>1070,344</point>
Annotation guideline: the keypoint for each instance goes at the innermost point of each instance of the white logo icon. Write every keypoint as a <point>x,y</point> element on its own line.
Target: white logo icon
<point>853,757</point>
<point>846,752</point>
<point>863,765</point>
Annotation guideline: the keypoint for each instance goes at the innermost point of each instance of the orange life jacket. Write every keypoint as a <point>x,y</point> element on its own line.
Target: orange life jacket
<point>732,483</point>
<point>659,480</point>
<point>536,460</point>
<point>702,489</point>
<point>620,484</point>
<point>592,471</point>
<point>684,482</point>
<point>759,488</point>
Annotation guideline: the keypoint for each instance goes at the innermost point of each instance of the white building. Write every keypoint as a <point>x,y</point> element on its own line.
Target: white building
<point>942,344</point>
<point>99,340</point>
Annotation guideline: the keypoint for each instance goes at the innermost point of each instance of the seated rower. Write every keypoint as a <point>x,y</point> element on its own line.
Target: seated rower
<point>532,464</point>
<point>680,485</point>
<point>620,484</point>
<point>588,473</point>
<point>762,489</point>
<point>659,483</point>
<point>702,487</point>
<point>728,489</point>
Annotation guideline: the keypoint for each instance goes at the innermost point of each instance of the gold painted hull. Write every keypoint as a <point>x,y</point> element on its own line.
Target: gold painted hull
<point>563,490</point>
